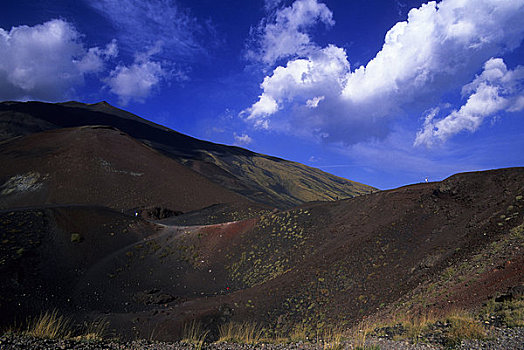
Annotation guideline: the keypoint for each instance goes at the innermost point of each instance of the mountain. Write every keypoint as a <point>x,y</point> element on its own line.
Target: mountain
<point>425,247</point>
<point>263,179</point>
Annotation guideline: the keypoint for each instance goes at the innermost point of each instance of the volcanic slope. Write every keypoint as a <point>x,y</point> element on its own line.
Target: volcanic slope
<point>268,180</point>
<point>455,243</point>
<point>99,165</point>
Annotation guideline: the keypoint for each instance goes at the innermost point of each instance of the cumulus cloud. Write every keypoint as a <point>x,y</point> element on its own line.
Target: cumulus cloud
<point>302,79</point>
<point>497,89</point>
<point>138,80</point>
<point>439,47</point>
<point>94,59</point>
<point>286,32</point>
<point>242,140</point>
<point>436,43</point>
<point>47,61</point>
<point>144,23</point>
<point>270,5</point>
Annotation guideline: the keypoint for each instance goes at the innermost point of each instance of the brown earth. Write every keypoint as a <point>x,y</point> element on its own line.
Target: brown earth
<point>99,165</point>
<point>422,247</point>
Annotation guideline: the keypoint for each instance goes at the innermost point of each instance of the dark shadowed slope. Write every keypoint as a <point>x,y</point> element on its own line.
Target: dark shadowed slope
<point>455,243</point>
<point>99,165</point>
<point>264,179</point>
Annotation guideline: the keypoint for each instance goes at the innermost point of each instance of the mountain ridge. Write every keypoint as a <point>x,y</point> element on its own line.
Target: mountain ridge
<point>265,179</point>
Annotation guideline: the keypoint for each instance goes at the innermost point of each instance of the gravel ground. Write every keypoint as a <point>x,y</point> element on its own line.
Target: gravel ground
<point>500,339</point>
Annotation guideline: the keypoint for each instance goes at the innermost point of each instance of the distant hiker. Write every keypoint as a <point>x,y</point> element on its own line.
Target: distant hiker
<point>426,179</point>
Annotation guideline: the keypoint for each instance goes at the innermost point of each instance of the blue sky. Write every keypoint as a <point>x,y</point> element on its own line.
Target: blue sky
<point>384,92</point>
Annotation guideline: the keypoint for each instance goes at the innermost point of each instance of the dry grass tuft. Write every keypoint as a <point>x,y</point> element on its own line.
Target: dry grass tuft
<point>332,339</point>
<point>245,333</point>
<point>49,325</point>
<point>94,331</point>
<point>53,325</point>
<point>417,325</point>
<point>360,333</point>
<point>300,332</point>
<point>194,333</point>
<point>464,326</point>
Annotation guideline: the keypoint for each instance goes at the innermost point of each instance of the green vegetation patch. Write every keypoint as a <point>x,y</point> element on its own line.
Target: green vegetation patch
<point>508,312</point>
<point>76,238</point>
<point>279,241</point>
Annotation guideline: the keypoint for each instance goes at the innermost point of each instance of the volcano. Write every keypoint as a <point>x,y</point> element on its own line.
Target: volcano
<point>105,215</point>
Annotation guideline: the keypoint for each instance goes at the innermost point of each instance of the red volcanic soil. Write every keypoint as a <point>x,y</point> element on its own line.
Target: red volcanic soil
<point>97,165</point>
<point>419,247</point>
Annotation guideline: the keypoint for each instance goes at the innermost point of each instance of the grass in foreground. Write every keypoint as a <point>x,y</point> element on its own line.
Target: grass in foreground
<point>53,325</point>
<point>332,339</point>
<point>462,325</point>
<point>508,312</point>
<point>94,331</point>
<point>246,333</point>
<point>49,325</point>
<point>451,328</point>
<point>194,333</point>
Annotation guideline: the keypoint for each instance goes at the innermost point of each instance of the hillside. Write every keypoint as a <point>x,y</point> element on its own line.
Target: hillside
<point>451,244</point>
<point>102,166</point>
<point>266,180</point>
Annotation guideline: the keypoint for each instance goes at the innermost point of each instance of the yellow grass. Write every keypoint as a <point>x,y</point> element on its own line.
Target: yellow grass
<point>49,325</point>
<point>360,333</point>
<point>299,333</point>
<point>95,330</point>
<point>464,326</point>
<point>194,333</point>
<point>245,333</point>
<point>332,339</point>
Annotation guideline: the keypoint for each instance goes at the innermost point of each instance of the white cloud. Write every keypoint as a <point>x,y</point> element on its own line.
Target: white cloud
<point>137,81</point>
<point>144,23</point>
<point>440,47</point>
<point>173,32</point>
<point>93,60</point>
<point>270,5</point>
<point>242,140</point>
<point>313,102</point>
<point>285,34</point>
<point>436,43</point>
<point>47,61</point>
<point>265,106</point>
<point>497,89</point>
<point>304,79</point>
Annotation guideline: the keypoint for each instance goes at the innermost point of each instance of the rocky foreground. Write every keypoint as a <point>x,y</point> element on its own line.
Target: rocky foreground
<point>498,339</point>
